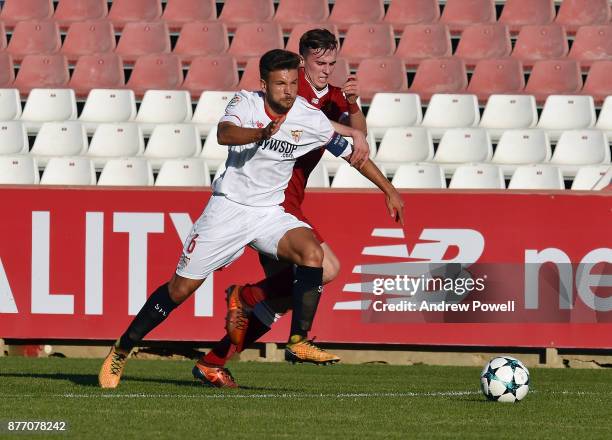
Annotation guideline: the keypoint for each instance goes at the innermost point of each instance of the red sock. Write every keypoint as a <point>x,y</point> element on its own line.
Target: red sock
<point>219,354</point>
<point>279,284</point>
<point>251,294</point>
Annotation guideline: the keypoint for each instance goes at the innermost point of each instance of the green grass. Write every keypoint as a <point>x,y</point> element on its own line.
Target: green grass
<point>159,399</point>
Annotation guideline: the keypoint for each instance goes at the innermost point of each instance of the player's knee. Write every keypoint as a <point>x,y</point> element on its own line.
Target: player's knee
<point>179,291</point>
<point>311,255</point>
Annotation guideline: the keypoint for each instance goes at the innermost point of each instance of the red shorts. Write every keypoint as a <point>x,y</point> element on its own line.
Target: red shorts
<point>297,212</point>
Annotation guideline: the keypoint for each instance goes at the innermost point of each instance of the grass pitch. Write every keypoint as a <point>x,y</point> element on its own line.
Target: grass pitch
<point>158,399</point>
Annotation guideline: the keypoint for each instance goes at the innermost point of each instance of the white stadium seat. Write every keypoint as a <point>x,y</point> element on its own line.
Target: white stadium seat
<point>210,108</point>
<point>419,175</point>
<point>19,169</point>
<point>172,141</point>
<point>450,111</point>
<point>183,172</point>
<point>48,105</point>
<point>348,177</point>
<point>164,107</point>
<point>10,104</point>
<point>13,138</point>
<point>478,176</point>
<point>319,177</point>
<point>400,145</point>
<point>605,117</point>
<point>521,147</point>
<point>332,162</point>
<point>566,112</point>
<point>463,145</point>
<point>537,177</point>
<point>77,170</point>
<point>214,154</point>
<point>123,139</point>
<point>67,138</point>
<point>108,105</point>
<point>580,147</point>
<point>592,178</point>
<point>133,171</point>
<point>504,112</point>
<point>389,110</point>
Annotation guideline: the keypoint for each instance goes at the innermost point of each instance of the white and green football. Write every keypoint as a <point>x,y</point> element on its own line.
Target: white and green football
<point>504,379</point>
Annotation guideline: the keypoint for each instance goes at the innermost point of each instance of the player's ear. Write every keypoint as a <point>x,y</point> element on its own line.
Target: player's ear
<point>263,85</point>
<point>302,60</point>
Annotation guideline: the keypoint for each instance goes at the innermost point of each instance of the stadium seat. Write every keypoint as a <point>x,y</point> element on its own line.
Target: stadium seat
<point>254,39</point>
<point>183,172</point>
<point>42,71</point>
<point>367,40</point>
<point>440,75</point>
<point>201,38</point>
<point>566,113</point>
<point>404,12</point>
<point>484,41</point>
<point>592,178</point>
<point>348,177</point>
<point>181,12</point>
<point>75,170</point>
<point>505,112</point>
<point>401,145</point>
<point>172,141</point>
<point>88,38</point>
<point>14,11</point>
<point>598,83</point>
<point>419,175</point>
<point>125,11</point>
<point>580,147</point>
<point>142,38</point>
<point>575,13</point>
<point>300,29</point>
<point>537,177</point>
<point>19,169</point>
<point>424,41</point>
<point>214,154</point>
<point>604,122</point>
<point>10,104</point>
<point>48,105</point>
<point>497,76</point>
<point>164,107</point>
<point>463,145</point>
<point>156,71</point>
<point>66,138</point>
<point>450,111</point>
<point>13,138</point>
<point>127,172</point>
<point>477,176</point>
<point>389,110</point>
<point>319,177</point>
<point>215,72</point>
<point>114,140</point>
<point>211,107</point>
<point>3,40</point>
<point>108,105</point>
<point>99,71</point>
<point>7,70</point>
<point>293,12</point>
<point>592,43</point>
<point>540,42</point>
<point>518,13</point>
<point>35,37</point>
<point>458,14</point>
<point>238,12</point>
<point>69,12</point>
<point>381,74</point>
<point>348,12</point>
<point>554,77</point>
<point>521,147</point>
<point>340,74</point>
<point>250,79</point>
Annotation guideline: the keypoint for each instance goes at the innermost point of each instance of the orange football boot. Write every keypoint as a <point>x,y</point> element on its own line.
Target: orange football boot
<point>214,376</point>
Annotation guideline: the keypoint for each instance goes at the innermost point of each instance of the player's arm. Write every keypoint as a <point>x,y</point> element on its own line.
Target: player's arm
<point>361,148</point>
<point>229,133</point>
<point>356,118</point>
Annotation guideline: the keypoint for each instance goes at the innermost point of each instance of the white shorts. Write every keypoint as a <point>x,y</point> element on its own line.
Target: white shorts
<point>219,236</point>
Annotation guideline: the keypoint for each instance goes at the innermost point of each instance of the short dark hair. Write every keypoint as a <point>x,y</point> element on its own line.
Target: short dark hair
<point>317,40</point>
<point>277,59</point>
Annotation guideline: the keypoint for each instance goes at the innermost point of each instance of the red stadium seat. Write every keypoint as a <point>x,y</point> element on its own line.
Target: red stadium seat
<point>423,41</point>
<point>88,37</point>
<point>599,81</point>
<point>540,43</point>
<point>501,76</point>
<point>384,74</point>
<point>575,13</point>
<point>236,12</point>
<point>367,41</point>
<point>14,11</point>
<point>254,39</point>
<point>482,41</point>
<point>293,44</point>
<point>180,12</point>
<point>458,14</point>
<point>250,79</point>
<point>592,43</point>
<point>3,41</point>
<point>156,71</point>
<point>215,72</point>
<point>292,12</point>
<point>518,13</point>
<point>405,12</point>
<point>42,71</point>
<point>554,77</point>
<point>201,38</point>
<point>441,75</point>
<point>125,11</point>
<point>75,11</point>
<point>340,73</point>
<point>99,71</point>
<point>143,38</point>
<point>34,37</point>
<point>7,70</point>
<point>348,12</point>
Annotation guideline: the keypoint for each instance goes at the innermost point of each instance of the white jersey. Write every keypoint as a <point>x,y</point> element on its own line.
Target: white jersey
<point>257,174</point>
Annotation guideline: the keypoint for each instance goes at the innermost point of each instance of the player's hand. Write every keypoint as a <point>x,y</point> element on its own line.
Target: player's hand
<point>351,89</point>
<point>361,150</point>
<point>395,205</point>
<point>272,128</point>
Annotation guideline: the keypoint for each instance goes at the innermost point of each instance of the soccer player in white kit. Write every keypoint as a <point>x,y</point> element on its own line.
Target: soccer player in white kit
<point>266,131</point>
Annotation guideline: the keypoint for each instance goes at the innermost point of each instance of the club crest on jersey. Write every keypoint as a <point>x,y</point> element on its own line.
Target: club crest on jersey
<point>259,124</point>
<point>315,100</point>
<point>296,135</point>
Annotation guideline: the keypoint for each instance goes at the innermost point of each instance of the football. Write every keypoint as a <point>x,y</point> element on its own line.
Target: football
<point>504,379</point>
